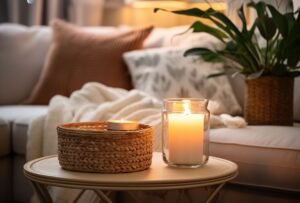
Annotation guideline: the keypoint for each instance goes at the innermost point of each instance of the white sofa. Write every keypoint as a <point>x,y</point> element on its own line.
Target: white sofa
<point>268,156</point>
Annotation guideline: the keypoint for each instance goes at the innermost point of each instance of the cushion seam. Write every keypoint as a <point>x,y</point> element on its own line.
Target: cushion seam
<point>257,164</point>
<point>256,146</point>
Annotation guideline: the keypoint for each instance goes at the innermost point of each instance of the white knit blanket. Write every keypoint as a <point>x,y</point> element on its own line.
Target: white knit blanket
<point>96,102</point>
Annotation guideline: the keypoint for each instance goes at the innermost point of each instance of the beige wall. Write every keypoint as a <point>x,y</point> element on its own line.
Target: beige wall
<point>142,14</point>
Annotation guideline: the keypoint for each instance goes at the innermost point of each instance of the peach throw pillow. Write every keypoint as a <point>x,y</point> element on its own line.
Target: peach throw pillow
<point>76,57</point>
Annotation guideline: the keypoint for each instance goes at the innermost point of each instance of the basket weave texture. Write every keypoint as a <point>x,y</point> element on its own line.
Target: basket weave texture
<point>90,147</point>
<point>269,101</point>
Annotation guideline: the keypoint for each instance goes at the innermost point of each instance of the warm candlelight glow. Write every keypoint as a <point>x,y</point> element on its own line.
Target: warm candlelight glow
<point>186,133</point>
<point>122,125</point>
<point>159,4</point>
<point>186,106</point>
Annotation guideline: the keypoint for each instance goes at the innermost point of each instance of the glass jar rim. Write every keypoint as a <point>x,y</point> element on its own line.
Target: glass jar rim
<point>192,99</point>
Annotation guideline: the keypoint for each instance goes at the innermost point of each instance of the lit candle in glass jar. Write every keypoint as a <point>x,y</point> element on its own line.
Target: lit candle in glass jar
<point>185,135</point>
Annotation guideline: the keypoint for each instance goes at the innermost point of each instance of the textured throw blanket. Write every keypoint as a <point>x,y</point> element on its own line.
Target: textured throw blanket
<point>96,102</point>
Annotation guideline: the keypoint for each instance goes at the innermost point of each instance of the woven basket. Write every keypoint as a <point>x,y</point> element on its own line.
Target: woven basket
<point>269,101</point>
<point>90,147</point>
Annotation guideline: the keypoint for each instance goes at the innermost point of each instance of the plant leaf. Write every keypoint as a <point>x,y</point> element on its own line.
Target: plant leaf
<point>255,75</point>
<point>197,51</point>
<point>266,27</point>
<point>290,20</point>
<point>294,73</point>
<point>229,28</point>
<point>195,12</point>
<point>279,20</point>
<point>294,32</point>
<point>205,53</point>
<point>235,74</point>
<point>234,52</point>
<point>224,19</point>
<point>201,27</point>
<point>260,7</point>
<point>293,56</point>
<point>225,24</point>
<point>236,35</point>
<point>216,74</point>
<point>279,70</point>
<point>243,19</point>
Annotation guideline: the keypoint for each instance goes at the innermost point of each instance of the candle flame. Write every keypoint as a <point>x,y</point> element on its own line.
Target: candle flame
<point>186,107</point>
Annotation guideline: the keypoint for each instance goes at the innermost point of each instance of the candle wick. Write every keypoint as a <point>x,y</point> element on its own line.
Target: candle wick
<point>186,108</point>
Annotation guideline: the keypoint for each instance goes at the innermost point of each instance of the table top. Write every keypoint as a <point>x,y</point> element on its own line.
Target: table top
<point>159,176</point>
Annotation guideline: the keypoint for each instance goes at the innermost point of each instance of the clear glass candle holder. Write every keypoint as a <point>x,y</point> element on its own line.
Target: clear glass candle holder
<point>185,132</point>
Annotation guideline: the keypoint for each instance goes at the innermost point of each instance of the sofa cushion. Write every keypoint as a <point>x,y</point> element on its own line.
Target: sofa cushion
<point>5,145</point>
<point>19,136</point>
<point>268,156</point>
<point>77,57</point>
<point>164,37</point>
<point>19,118</point>
<point>22,54</point>
<point>165,73</point>
<point>14,112</point>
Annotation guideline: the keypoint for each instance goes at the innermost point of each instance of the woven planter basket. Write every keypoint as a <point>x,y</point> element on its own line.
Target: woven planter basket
<point>269,101</point>
<point>90,147</point>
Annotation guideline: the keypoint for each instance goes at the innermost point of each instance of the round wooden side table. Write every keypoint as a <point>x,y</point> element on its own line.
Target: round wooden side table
<point>46,171</point>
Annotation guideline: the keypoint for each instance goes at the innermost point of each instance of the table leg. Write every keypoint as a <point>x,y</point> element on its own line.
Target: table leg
<point>104,197</point>
<point>42,192</point>
<point>44,196</point>
<point>214,193</point>
<point>78,196</point>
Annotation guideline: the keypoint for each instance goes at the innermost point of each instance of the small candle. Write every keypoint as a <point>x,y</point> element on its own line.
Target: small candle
<point>122,125</point>
<point>186,131</point>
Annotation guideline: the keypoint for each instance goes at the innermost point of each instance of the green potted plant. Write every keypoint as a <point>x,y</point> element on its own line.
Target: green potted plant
<point>269,67</point>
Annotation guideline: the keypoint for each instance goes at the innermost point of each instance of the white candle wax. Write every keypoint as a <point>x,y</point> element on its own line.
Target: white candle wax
<point>122,125</point>
<point>185,131</point>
